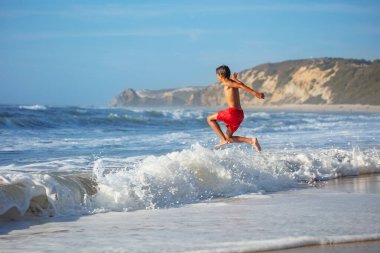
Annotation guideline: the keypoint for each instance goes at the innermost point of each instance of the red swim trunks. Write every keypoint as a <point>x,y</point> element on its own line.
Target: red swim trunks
<point>232,117</point>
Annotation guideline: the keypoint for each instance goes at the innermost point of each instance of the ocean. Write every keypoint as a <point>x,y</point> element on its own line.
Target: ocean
<point>89,167</point>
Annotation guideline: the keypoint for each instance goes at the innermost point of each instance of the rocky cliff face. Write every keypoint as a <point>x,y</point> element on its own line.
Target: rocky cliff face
<point>314,81</point>
<point>172,97</point>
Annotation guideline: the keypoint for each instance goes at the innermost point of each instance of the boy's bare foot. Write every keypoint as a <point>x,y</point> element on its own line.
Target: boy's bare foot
<point>222,143</point>
<point>256,144</point>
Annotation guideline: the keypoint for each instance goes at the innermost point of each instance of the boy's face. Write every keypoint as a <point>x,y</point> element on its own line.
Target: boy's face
<point>219,77</point>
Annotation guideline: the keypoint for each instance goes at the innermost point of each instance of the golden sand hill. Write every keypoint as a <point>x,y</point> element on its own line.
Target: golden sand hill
<point>311,81</point>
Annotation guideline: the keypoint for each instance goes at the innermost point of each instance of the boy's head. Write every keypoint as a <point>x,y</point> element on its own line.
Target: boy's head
<point>223,72</point>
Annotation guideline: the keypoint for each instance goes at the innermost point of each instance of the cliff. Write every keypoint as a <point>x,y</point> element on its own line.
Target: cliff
<point>310,81</point>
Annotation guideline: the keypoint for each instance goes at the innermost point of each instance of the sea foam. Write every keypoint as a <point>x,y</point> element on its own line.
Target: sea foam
<point>33,107</point>
<point>177,178</point>
<point>198,173</point>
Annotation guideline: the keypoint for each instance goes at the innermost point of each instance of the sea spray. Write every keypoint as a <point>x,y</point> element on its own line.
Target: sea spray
<point>198,173</point>
<point>186,176</point>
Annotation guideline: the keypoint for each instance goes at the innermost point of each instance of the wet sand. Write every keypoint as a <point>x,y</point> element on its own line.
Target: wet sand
<point>369,184</point>
<point>359,247</point>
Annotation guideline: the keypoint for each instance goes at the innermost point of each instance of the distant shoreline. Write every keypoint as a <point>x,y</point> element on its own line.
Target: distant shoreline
<point>282,108</point>
<point>316,108</point>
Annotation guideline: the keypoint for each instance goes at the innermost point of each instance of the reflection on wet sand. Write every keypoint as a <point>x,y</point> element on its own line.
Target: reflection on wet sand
<point>369,183</point>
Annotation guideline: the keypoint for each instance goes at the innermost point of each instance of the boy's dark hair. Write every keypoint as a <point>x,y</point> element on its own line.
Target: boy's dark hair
<point>224,71</point>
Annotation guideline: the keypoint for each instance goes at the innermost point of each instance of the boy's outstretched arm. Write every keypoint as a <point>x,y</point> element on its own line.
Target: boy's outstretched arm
<point>236,83</point>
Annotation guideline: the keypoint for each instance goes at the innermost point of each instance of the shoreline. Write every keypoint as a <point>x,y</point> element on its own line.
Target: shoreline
<point>333,108</point>
<point>316,108</point>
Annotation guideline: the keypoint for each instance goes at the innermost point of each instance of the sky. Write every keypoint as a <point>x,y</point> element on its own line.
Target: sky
<point>86,52</point>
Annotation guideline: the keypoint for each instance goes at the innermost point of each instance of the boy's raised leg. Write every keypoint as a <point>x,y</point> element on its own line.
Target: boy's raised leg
<point>211,120</point>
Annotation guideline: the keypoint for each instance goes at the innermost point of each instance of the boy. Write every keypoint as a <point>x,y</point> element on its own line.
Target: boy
<point>233,115</point>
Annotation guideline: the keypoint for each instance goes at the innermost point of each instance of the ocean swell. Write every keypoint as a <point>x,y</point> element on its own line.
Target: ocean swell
<point>41,117</point>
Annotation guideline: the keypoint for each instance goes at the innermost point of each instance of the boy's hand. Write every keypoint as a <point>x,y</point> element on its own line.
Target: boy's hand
<point>234,76</point>
<point>260,95</point>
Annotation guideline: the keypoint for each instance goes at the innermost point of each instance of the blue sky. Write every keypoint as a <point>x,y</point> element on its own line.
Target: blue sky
<point>86,52</point>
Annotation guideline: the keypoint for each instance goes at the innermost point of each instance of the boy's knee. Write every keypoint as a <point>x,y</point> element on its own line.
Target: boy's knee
<point>209,118</point>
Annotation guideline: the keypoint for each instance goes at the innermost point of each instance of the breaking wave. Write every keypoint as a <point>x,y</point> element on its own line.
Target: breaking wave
<point>33,107</point>
<point>177,178</point>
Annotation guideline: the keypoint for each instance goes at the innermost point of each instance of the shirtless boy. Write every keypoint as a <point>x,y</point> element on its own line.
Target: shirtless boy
<point>233,116</point>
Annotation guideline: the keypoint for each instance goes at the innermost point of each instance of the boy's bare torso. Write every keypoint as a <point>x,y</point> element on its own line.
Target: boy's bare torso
<point>232,97</point>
